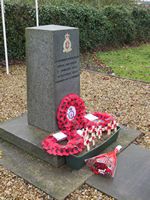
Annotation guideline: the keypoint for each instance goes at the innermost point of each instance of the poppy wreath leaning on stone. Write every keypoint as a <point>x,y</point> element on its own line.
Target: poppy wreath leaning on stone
<point>74,145</point>
<point>70,113</point>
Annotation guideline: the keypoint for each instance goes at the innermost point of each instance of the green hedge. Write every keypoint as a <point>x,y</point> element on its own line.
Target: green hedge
<point>108,27</point>
<point>141,19</point>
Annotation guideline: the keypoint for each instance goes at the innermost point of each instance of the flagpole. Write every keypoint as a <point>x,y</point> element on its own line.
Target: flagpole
<point>4,35</point>
<point>37,12</point>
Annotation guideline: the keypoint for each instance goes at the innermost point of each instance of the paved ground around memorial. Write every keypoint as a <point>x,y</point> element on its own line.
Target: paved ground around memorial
<point>132,178</point>
<point>50,179</point>
<point>57,182</point>
<point>128,100</point>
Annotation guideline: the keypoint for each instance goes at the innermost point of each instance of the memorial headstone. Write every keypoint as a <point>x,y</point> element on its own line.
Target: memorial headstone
<point>53,71</point>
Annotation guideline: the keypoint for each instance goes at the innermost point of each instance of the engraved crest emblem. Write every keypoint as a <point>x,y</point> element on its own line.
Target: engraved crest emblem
<point>71,112</point>
<point>67,44</point>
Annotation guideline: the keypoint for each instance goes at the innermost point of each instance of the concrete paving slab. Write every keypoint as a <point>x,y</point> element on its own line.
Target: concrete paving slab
<point>132,178</point>
<point>40,173</point>
<point>57,182</point>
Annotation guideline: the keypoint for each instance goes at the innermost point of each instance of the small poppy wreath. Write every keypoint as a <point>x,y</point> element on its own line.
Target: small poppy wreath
<point>70,113</point>
<point>104,119</point>
<point>74,145</point>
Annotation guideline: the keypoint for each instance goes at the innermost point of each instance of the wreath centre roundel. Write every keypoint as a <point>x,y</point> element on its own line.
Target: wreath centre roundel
<point>71,112</point>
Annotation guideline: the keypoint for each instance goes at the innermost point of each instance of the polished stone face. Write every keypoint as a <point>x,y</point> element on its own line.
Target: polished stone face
<point>53,71</point>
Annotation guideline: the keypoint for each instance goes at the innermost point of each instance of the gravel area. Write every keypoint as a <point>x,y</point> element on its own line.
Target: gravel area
<point>12,93</point>
<point>128,100</point>
<point>13,187</point>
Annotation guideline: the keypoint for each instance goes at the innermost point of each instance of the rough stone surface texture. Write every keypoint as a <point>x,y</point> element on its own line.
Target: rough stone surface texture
<point>128,100</point>
<point>51,73</point>
<point>18,132</point>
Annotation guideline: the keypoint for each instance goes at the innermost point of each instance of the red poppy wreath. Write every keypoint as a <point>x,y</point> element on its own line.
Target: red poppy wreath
<point>70,113</point>
<point>71,116</point>
<point>103,119</point>
<point>74,145</point>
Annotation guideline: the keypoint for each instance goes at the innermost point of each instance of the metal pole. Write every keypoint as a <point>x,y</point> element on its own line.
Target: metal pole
<point>37,12</point>
<point>4,35</point>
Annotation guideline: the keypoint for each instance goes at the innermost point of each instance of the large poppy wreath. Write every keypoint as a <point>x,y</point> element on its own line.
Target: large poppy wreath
<point>70,116</point>
<point>74,145</point>
<point>70,113</point>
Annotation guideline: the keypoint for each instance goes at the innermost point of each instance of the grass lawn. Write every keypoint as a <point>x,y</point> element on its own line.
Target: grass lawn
<point>131,63</point>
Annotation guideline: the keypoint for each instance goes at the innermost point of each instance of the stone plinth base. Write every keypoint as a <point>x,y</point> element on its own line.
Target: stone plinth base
<point>18,132</point>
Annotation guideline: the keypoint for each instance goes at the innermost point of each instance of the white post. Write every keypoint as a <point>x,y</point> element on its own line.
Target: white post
<point>4,35</point>
<point>37,12</point>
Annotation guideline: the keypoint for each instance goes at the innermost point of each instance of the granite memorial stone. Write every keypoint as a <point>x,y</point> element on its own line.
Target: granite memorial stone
<point>53,71</point>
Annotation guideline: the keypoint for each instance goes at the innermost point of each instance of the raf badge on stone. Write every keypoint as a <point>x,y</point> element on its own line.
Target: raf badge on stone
<point>67,44</point>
